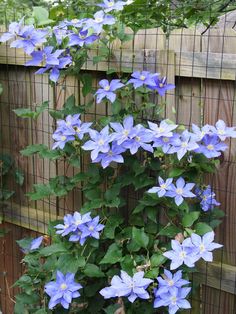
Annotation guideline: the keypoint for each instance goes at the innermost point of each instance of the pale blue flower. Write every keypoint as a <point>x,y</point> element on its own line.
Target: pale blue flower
<point>163,130</point>
<point>222,131</point>
<point>110,5</point>
<point>211,146</point>
<point>107,90</point>
<point>162,188</point>
<point>180,191</point>
<point>123,132</point>
<point>63,290</point>
<point>141,78</point>
<point>126,286</point>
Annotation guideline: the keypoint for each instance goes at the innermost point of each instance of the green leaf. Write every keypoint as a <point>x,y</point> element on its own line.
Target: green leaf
<point>152,273</point>
<point>41,16</point>
<point>92,270</point>
<point>170,231</point>
<point>116,107</point>
<point>201,228</point>
<point>53,249</point>
<point>111,309</point>
<point>113,255</point>
<point>87,84</point>
<point>28,113</point>
<point>140,237</point>
<point>74,161</point>
<point>33,149</point>
<point>41,191</point>
<point>190,218</point>
<point>175,172</point>
<point>157,259</point>
<point>69,263</point>
<point>19,176</point>
<point>112,223</point>
<point>6,194</point>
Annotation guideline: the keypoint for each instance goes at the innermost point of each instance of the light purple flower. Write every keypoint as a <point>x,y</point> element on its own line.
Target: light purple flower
<point>46,55</point>
<point>200,132</point>
<point>114,154</point>
<point>109,5</point>
<point>29,38</point>
<point>82,38</point>
<point>92,228</point>
<point>64,61</point>
<point>222,131</point>
<point>141,78</point>
<point>126,286</point>
<point>99,142</point>
<point>180,191</point>
<point>13,31</point>
<point>211,146</point>
<point>63,290</point>
<point>169,282</point>
<point>161,85</point>
<point>140,137</point>
<point>60,33</point>
<point>123,132</point>
<point>61,140</point>
<point>175,299</point>
<point>180,254</point>
<point>185,143</point>
<point>100,19</point>
<point>207,197</point>
<point>164,129</point>
<point>107,90</point>
<point>162,188</point>
<point>165,142</point>
<point>205,245</point>
<point>35,244</point>
<point>67,227</point>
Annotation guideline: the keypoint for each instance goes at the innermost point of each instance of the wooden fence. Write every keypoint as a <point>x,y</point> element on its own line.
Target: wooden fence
<point>203,68</point>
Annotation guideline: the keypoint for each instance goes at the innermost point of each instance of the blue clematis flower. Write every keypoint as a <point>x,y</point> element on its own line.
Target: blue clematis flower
<point>110,5</point>
<point>35,244</point>
<point>163,187</point>
<point>82,38</point>
<point>185,143</point>
<point>107,90</point>
<point>180,254</point>
<point>13,31</point>
<point>200,132</point>
<point>114,154</point>
<point>100,19</point>
<point>63,290</point>
<point>163,130</point>
<point>169,282</point>
<point>175,299</point>
<point>46,55</point>
<point>123,132</point>
<point>131,287</point>
<point>180,191</point>
<point>99,142</point>
<point>204,245</point>
<point>165,142</point>
<point>207,197</point>
<point>67,227</point>
<point>222,131</point>
<point>160,85</point>
<point>141,78</point>
<point>211,146</point>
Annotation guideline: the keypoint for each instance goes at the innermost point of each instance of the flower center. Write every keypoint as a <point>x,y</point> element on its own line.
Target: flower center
<point>82,36</point>
<point>142,77</point>
<point>91,228</point>
<point>182,254</point>
<point>74,20</point>
<point>202,248</point>
<point>110,4</point>
<point>68,123</point>
<point>161,85</point>
<point>66,226</point>
<point>160,130</point>
<point>63,137</point>
<point>179,191</point>
<point>184,144</point>
<point>173,300</point>
<point>77,129</point>
<point>63,286</point>
<point>210,147</point>
<point>163,186</point>
<point>166,139</point>
<point>101,142</point>
<point>204,197</point>
<point>107,88</point>
<point>126,132</point>
<point>110,153</point>
<point>78,222</point>
<point>137,138</point>
<point>98,19</point>
<point>170,282</point>
<point>221,132</point>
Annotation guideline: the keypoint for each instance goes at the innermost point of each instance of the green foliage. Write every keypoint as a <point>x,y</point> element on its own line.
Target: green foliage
<point>27,113</point>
